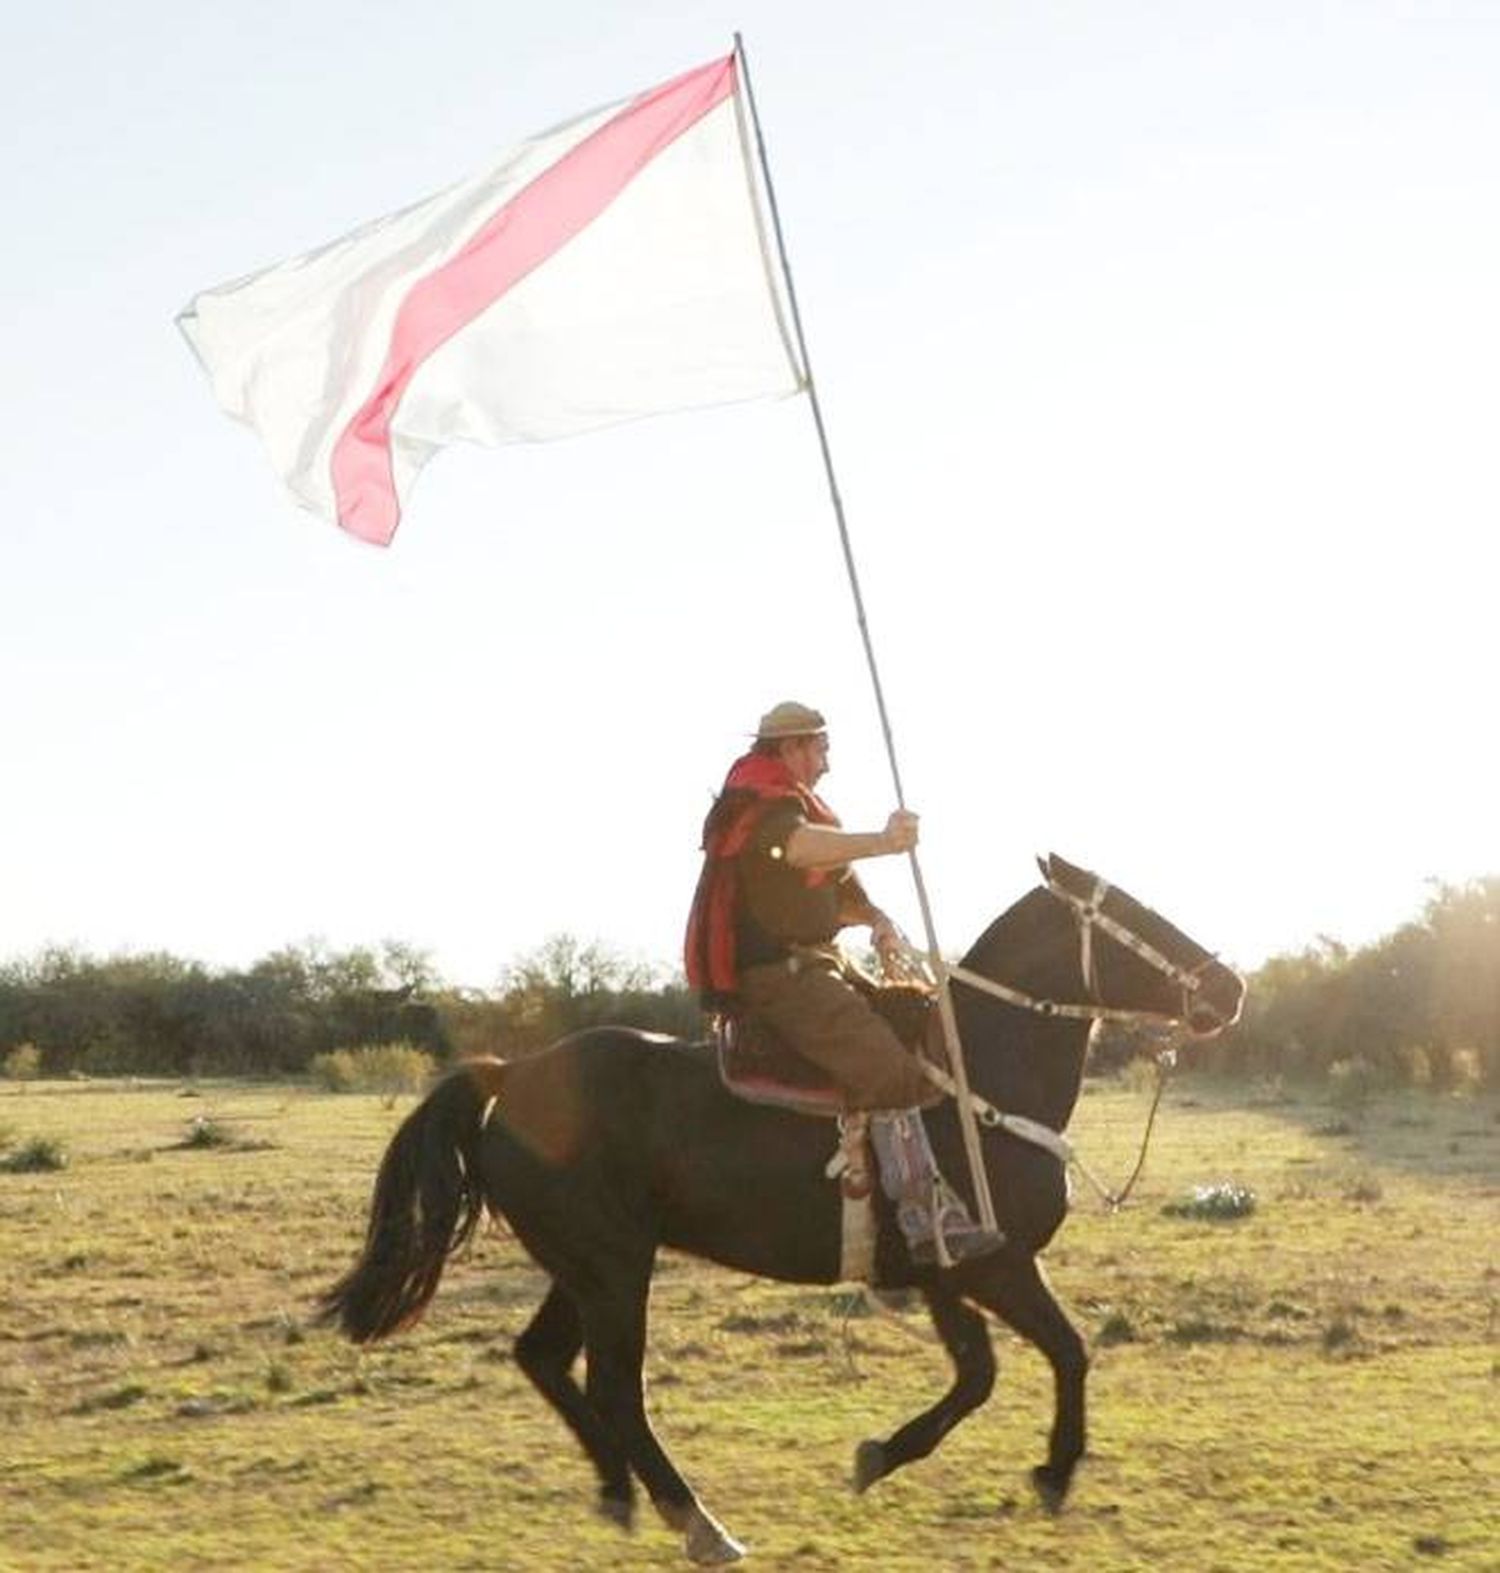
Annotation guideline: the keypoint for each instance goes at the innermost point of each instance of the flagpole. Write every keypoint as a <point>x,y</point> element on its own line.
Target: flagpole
<point>966,1117</point>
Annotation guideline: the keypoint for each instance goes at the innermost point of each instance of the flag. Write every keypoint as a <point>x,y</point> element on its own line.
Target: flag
<point>612,268</point>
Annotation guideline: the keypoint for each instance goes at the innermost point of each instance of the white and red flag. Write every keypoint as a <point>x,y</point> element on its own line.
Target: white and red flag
<point>612,268</point>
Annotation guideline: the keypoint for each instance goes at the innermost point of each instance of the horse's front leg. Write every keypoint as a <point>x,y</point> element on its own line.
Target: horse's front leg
<point>1011,1284</point>
<point>967,1341</point>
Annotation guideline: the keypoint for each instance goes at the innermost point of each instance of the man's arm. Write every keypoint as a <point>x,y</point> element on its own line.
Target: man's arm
<point>855,909</point>
<point>855,906</point>
<point>820,846</point>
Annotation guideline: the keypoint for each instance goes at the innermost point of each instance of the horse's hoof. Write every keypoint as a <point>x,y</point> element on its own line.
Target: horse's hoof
<point>1051,1487</point>
<point>869,1466</point>
<point>708,1543</point>
<point>620,1511</point>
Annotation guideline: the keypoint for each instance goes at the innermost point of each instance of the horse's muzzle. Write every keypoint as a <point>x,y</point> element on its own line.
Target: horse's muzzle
<point>1205,1021</point>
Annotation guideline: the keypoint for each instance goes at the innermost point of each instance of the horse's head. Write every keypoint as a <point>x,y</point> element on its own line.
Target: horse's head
<point>1132,959</point>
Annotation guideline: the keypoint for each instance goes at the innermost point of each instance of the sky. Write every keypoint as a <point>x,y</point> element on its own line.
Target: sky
<point>1157,346</point>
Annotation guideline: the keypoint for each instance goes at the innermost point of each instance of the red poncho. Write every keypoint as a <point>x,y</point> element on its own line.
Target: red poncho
<point>754,783</point>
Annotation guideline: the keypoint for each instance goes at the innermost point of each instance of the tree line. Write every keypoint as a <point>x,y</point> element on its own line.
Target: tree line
<point>1419,1006</point>
<point>65,1013</point>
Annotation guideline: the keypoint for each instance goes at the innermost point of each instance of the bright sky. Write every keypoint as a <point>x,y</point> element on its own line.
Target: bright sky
<point>1158,347</point>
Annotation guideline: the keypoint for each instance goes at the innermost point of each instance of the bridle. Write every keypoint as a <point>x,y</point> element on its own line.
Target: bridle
<point>1090,915</point>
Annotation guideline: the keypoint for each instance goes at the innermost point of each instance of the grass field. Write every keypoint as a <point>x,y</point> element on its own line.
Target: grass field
<point>1314,1386</point>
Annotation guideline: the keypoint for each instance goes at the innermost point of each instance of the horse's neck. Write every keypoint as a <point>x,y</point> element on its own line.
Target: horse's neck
<point>1023,1062</point>
<point>1038,1069</point>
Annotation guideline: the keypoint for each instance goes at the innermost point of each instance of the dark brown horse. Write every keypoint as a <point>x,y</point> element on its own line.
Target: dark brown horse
<point>614,1143</point>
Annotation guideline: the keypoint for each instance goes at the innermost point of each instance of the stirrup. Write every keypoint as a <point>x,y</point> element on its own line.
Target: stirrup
<point>952,1236</point>
<point>947,1247</point>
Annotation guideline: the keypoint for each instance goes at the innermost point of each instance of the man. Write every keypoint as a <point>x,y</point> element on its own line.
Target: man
<point>776,888</point>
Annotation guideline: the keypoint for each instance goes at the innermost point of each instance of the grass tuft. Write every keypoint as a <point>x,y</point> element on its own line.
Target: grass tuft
<point>1200,1330</point>
<point>157,1468</point>
<point>41,1155</point>
<point>1116,1328</point>
<point>204,1133</point>
<point>117,1398</point>
<point>97,1338</point>
<point>320,1396</point>
<point>1340,1336</point>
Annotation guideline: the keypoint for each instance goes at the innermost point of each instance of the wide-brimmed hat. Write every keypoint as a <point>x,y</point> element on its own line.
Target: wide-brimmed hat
<point>789,719</point>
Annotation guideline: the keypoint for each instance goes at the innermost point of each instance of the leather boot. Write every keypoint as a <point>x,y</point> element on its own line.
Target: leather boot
<point>934,1223</point>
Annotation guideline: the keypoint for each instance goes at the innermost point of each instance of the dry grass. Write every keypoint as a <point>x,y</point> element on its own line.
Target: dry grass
<point>1312,1386</point>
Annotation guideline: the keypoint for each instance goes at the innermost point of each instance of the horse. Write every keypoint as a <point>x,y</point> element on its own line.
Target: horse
<point>614,1143</point>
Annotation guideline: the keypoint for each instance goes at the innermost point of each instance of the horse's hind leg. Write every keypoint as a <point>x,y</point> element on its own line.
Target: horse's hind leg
<point>545,1351</point>
<point>614,1328</point>
<point>1012,1286</point>
<point>967,1340</point>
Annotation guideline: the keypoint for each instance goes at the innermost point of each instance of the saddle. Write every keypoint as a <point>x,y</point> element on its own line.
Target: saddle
<point>756,1064</point>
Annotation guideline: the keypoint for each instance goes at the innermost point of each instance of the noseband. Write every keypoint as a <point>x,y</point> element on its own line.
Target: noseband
<point>1090,915</point>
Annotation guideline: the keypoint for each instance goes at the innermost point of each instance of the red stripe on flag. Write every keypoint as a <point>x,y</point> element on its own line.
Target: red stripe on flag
<point>519,237</point>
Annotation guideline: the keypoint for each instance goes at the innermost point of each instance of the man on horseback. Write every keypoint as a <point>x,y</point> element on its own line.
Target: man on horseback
<point>775,890</point>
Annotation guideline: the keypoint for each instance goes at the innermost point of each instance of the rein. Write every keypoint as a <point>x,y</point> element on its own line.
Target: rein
<point>1055,1142</point>
<point>1090,915</point>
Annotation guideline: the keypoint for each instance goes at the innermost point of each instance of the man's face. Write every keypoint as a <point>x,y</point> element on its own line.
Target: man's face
<point>807,758</point>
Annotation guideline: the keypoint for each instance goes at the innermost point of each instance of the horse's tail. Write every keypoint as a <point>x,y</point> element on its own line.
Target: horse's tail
<point>428,1201</point>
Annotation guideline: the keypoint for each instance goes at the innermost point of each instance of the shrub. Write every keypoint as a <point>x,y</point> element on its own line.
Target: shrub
<point>334,1072</point>
<point>1270,1092</point>
<point>1351,1084</point>
<point>387,1068</point>
<point>110,1055</point>
<point>1416,1065</point>
<point>39,1156</point>
<point>1214,1202</point>
<point>204,1131</point>
<point>23,1063</point>
<point>1141,1075</point>
<point>1465,1071</point>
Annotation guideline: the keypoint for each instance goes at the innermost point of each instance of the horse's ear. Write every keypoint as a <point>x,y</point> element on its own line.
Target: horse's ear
<point>1072,876</point>
<point>1045,864</point>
